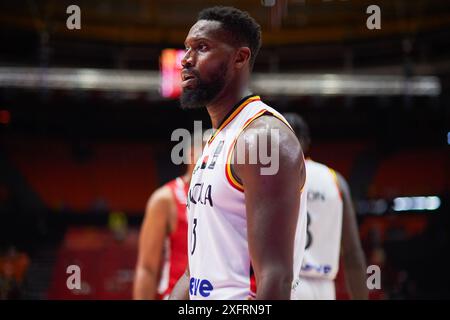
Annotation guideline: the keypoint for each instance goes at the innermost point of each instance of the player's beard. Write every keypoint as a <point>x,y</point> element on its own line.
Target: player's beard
<point>204,91</point>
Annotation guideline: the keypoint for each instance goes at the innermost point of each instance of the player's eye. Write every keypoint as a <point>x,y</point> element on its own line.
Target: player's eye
<point>202,47</point>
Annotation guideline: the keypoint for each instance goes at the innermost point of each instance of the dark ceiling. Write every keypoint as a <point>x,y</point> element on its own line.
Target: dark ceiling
<point>301,35</point>
<point>297,34</point>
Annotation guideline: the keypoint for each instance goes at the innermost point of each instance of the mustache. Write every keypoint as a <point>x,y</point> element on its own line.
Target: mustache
<point>192,72</point>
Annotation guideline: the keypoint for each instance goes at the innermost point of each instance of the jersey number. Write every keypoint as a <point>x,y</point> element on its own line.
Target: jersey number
<point>194,240</point>
<point>308,232</point>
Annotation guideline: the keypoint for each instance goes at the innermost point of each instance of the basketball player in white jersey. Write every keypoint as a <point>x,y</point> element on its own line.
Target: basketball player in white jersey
<point>331,223</point>
<point>241,217</point>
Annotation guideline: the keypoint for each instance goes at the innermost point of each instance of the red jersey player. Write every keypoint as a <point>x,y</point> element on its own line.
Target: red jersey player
<point>162,256</point>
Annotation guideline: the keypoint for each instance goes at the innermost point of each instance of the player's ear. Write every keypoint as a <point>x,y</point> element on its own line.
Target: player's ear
<point>243,56</point>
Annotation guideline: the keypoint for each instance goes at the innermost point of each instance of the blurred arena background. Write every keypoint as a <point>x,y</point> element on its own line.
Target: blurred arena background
<point>86,118</point>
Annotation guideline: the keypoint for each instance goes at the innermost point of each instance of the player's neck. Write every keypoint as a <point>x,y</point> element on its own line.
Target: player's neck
<point>221,106</point>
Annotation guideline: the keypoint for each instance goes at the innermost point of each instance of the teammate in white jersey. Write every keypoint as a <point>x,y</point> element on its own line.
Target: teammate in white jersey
<point>243,214</point>
<point>331,223</point>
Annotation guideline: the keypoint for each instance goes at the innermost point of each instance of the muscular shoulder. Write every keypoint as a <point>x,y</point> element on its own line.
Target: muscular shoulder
<point>269,149</point>
<point>160,198</point>
<point>268,130</point>
<point>161,207</point>
<point>162,194</point>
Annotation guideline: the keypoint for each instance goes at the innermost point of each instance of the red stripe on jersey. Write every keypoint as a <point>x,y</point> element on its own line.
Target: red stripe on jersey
<point>252,282</point>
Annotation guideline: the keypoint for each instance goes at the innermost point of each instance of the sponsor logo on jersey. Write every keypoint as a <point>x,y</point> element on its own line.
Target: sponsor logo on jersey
<point>200,287</point>
<point>195,170</point>
<point>216,155</point>
<point>321,268</point>
<point>204,162</point>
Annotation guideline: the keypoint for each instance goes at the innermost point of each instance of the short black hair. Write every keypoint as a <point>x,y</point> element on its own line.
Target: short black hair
<point>300,127</point>
<point>242,27</point>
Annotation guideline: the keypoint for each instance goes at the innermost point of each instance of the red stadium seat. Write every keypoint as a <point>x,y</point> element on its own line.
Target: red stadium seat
<point>121,175</point>
<point>106,265</point>
<point>339,156</point>
<point>423,172</point>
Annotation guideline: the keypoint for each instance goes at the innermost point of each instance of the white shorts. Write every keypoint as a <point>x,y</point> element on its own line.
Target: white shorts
<point>314,289</point>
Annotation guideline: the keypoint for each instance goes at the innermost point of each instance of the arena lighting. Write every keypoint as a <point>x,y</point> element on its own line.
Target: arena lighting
<point>272,84</point>
<point>268,3</point>
<point>170,65</point>
<point>80,78</point>
<point>340,84</point>
<point>428,203</point>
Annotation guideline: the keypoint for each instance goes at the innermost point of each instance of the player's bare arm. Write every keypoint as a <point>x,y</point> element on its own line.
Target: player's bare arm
<point>353,255</point>
<point>157,224</point>
<point>272,206</point>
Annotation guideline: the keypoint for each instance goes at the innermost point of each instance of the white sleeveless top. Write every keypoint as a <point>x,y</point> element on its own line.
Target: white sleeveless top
<point>219,259</point>
<point>324,222</point>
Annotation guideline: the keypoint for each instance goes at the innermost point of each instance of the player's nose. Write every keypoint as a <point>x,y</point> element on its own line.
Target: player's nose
<point>188,60</point>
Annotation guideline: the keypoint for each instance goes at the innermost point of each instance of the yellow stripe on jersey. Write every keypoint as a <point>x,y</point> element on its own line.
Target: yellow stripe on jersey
<point>336,181</point>
<point>232,116</point>
<point>303,188</point>
<point>283,120</point>
<point>228,172</point>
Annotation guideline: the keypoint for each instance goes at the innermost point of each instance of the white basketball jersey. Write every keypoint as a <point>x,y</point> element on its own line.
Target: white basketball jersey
<point>219,259</point>
<point>324,222</point>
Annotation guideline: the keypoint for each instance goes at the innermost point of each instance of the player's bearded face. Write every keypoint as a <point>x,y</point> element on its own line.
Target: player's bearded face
<point>204,91</point>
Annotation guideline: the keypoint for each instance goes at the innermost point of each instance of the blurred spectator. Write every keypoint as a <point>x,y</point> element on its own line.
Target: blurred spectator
<point>118,225</point>
<point>13,267</point>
